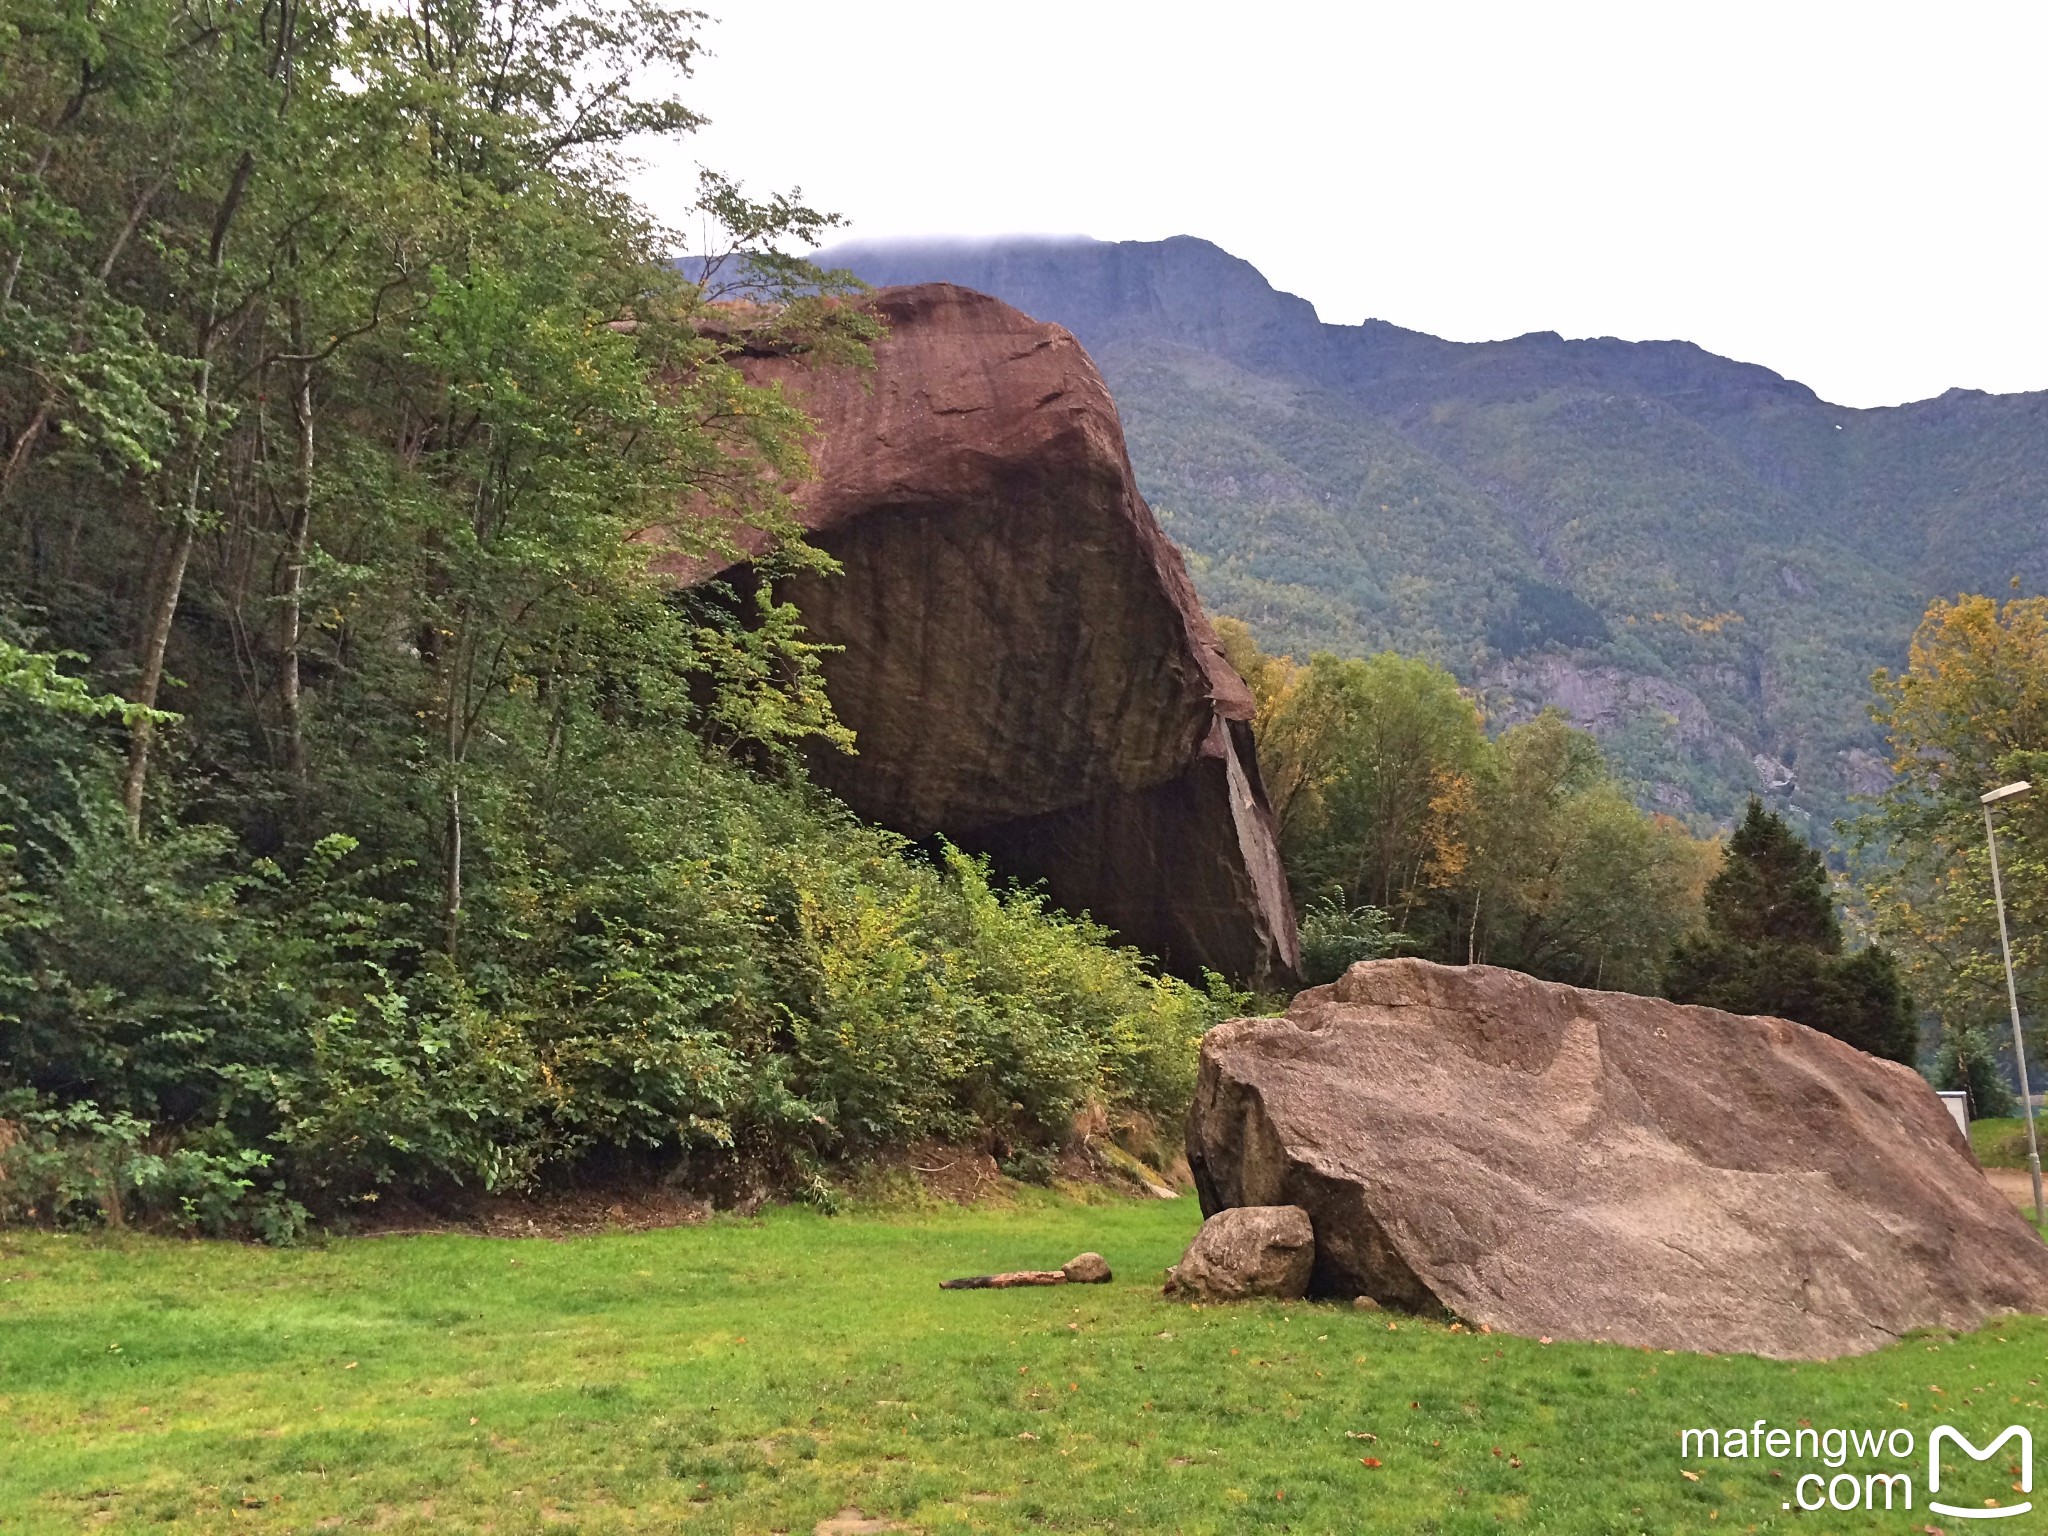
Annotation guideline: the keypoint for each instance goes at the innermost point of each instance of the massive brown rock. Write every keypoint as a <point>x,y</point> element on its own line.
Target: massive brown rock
<point>1594,1165</point>
<point>1024,662</point>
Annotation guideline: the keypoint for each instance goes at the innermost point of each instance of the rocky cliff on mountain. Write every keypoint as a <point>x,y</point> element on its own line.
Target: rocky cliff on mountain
<point>1594,1165</point>
<point>1022,657</point>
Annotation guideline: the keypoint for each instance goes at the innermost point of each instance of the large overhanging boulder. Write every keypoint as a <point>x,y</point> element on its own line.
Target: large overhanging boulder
<point>1595,1165</point>
<point>1025,664</point>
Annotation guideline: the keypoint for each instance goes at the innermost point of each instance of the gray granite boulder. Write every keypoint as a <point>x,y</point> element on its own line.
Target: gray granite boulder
<point>1259,1250</point>
<point>1596,1165</point>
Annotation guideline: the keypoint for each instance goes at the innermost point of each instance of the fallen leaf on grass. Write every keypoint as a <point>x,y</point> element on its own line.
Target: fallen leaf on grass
<point>1368,1461</point>
<point>1690,1477</point>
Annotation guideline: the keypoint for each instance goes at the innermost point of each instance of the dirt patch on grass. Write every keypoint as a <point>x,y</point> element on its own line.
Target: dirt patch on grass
<point>851,1522</point>
<point>961,1175</point>
<point>1092,1167</point>
<point>2016,1184</point>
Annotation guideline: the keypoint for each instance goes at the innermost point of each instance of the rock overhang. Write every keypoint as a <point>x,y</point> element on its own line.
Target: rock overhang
<point>1020,652</point>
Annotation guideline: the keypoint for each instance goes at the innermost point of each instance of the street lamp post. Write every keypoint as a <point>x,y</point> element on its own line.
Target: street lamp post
<point>2012,991</point>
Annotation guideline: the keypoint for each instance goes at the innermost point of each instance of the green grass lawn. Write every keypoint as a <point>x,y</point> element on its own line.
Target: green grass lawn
<point>763,1375</point>
<point>2001,1143</point>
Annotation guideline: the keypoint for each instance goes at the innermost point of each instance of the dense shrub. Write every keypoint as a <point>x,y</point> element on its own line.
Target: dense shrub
<point>687,961</point>
<point>1335,937</point>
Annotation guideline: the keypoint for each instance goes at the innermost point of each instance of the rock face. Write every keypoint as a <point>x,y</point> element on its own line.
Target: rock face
<point>1594,1165</point>
<point>1025,664</point>
<point>1248,1250</point>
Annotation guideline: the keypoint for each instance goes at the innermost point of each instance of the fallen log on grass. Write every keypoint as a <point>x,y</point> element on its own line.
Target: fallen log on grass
<point>1081,1269</point>
<point>1005,1281</point>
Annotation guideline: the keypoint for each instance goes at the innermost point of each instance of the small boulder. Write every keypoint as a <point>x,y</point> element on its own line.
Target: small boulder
<point>1250,1250</point>
<point>1086,1269</point>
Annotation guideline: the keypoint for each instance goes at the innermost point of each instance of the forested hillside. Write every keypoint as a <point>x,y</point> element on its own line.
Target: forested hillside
<point>373,820</point>
<point>1699,560</point>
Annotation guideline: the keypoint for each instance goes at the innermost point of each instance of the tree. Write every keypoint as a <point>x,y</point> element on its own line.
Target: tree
<point>1773,945</point>
<point>1773,888</point>
<point>1968,713</point>
<point>1567,879</point>
<point>1397,812</point>
<point>349,403</point>
<point>1380,755</point>
<point>1966,1061</point>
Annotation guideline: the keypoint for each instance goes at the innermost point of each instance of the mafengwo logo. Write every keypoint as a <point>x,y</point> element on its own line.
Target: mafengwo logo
<point>1872,1470</point>
<point>1991,1509</point>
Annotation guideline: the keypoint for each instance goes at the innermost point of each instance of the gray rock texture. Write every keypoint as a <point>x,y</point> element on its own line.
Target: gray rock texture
<point>1086,1269</point>
<point>1594,1165</point>
<point>1258,1250</point>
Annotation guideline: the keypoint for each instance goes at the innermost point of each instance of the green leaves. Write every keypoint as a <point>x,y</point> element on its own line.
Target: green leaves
<point>1398,812</point>
<point>1773,887</point>
<point>1969,712</point>
<point>1773,945</point>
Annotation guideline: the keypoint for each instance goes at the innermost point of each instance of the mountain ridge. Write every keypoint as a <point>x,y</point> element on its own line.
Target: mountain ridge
<point>1734,535</point>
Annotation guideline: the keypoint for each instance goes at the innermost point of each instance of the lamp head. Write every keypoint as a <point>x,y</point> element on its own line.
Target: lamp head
<point>2005,792</point>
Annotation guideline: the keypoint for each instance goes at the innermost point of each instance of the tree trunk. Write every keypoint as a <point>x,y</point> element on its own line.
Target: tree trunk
<point>156,641</point>
<point>300,536</point>
<point>451,886</point>
<point>157,633</point>
<point>452,723</point>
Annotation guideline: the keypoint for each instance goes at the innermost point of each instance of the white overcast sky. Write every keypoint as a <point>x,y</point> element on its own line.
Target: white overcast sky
<point>1851,194</point>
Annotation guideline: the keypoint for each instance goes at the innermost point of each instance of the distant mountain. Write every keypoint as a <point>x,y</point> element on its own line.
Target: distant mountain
<point>1698,559</point>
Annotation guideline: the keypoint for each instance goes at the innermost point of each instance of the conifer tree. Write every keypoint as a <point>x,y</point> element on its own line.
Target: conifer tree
<point>1773,945</point>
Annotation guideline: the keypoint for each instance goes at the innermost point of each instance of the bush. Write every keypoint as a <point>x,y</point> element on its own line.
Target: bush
<point>1966,1061</point>
<point>77,1166</point>
<point>683,960</point>
<point>1335,937</point>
